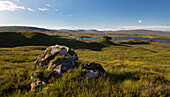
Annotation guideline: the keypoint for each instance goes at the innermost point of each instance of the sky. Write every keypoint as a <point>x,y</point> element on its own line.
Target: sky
<point>87,14</point>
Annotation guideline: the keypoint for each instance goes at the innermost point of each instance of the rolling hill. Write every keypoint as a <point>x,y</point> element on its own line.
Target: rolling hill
<point>124,32</point>
<point>10,39</point>
<point>14,39</point>
<point>22,29</point>
<point>140,32</point>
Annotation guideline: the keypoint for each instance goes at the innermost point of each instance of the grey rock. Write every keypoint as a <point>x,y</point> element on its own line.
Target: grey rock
<point>57,59</point>
<point>93,70</point>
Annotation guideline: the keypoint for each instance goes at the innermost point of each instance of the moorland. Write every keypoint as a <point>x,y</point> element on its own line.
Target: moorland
<point>133,67</point>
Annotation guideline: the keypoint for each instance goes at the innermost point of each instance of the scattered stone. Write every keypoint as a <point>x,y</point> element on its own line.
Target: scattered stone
<point>37,84</point>
<point>55,61</point>
<point>93,70</point>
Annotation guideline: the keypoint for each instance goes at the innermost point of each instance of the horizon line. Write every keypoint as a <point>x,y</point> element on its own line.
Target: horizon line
<point>100,28</point>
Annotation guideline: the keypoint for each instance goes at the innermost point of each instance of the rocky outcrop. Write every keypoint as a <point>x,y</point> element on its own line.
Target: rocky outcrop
<point>56,59</point>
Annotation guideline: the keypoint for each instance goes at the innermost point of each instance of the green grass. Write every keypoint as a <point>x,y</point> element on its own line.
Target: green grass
<point>132,70</point>
<point>133,41</point>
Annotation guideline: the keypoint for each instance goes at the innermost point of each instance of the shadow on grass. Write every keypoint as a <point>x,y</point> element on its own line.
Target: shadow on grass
<point>14,39</point>
<point>124,76</point>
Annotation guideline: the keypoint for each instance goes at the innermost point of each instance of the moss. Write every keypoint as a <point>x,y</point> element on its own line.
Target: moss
<point>43,75</point>
<point>57,58</point>
<point>47,51</point>
<point>50,57</point>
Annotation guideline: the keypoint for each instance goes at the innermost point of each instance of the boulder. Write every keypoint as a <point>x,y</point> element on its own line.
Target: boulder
<point>93,70</point>
<point>55,55</point>
<point>57,59</point>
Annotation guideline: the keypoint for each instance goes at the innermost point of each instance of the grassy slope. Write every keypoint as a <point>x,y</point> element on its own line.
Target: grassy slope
<point>138,33</point>
<point>10,39</point>
<point>141,32</point>
<point>133,70</point>
<point>21,29</point>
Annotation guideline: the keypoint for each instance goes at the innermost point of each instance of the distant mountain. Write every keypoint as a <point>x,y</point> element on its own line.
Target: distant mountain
<point>36,29</point>
<point>83,31</point>
<point>22,29</point>
<point>124,32</point>
<point>139,32</point>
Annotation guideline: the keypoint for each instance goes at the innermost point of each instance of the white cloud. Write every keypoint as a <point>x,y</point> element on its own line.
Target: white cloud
<point>29,9</point>
<point>109,28</point>
<point>48,5</point>
<point>9,6</point>
<point>43,9</point>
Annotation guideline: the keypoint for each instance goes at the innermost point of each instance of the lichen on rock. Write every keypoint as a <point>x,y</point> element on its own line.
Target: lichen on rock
<point>57,59</point>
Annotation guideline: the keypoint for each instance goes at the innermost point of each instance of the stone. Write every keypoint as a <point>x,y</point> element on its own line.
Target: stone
<point>37,84</point>
<point>93,70</point>
<point>60,69</point>
<point>57,59</point>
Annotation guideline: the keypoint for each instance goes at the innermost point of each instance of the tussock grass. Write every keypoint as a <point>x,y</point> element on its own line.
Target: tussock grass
<point>132,70</point>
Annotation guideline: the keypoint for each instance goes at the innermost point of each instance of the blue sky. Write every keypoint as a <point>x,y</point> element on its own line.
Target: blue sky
<point>87,14</point>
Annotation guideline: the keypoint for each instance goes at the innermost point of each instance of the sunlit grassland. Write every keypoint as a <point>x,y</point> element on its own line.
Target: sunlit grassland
<point>84,35</point>
<point>132,70</point>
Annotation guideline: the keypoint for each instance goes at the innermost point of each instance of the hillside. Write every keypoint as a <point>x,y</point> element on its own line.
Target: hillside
<point>121,32</point>
<point>133,67</point>
<point>82,31</point>
<point>132,70</point>
<point>36,29</point>
<point>10,39</point>
<point>22,29</point>
<point>14,39</point>
<point>140,32</point>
